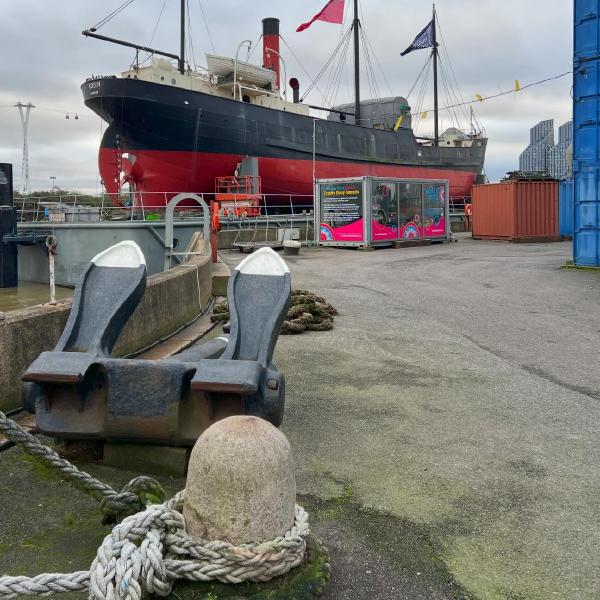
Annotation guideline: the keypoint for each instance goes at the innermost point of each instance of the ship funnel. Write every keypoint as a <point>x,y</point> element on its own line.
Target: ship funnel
<point>271,46</point>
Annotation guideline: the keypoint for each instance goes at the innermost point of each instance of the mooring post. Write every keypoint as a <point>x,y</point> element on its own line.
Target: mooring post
<point>241,486</point>
<point>51,243</point>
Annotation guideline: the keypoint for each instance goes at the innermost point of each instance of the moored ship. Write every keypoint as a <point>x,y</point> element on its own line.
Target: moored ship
<point>171,129</point>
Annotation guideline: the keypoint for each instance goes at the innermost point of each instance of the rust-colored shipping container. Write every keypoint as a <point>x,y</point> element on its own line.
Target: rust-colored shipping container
<point>518,211</point>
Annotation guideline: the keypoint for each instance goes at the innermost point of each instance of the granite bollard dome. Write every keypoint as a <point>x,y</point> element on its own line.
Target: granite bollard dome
<point>241,486</point>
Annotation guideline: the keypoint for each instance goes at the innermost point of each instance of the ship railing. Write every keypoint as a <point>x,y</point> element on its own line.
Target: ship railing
<point>290,213</point>
<point>457,205</point>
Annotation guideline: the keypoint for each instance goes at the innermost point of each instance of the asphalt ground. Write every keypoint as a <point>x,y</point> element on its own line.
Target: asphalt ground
<point>444,432</point>
<point>458,394</point>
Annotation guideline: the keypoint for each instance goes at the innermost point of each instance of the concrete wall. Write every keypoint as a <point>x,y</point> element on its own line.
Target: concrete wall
<point>79,242</point>
<point>171,300</point>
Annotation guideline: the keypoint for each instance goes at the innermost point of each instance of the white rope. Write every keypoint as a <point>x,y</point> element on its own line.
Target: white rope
<point>149,551</point>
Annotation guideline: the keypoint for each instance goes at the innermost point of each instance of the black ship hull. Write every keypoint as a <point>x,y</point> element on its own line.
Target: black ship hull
<point>166,140</point>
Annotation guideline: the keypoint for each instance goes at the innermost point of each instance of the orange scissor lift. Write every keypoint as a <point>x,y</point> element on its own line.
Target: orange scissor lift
<point>239,196</point>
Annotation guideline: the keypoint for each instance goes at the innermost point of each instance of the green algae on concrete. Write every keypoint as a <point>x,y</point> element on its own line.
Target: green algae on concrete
<point>408,547</point>
<point>305,582</point>
<point>49,526</point>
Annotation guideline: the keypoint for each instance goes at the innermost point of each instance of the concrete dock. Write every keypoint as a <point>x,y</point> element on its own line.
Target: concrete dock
<point>444,433</point>
<point>458,394</point>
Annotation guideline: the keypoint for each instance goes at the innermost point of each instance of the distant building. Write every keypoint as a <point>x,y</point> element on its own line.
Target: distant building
<point>535,156</point>
<point>543,156</point>
<point>560,166</point>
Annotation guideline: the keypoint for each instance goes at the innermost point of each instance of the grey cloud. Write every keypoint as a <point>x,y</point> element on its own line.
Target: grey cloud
<point>491,43</point>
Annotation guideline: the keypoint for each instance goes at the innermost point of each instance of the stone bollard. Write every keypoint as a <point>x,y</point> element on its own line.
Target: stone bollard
<point>240,486</point>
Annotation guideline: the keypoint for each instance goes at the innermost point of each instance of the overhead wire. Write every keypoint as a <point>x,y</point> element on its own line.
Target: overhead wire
<point>505,93</point>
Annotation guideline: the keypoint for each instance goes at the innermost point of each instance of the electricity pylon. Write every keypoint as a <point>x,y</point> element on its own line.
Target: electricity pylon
<point>25,163</point>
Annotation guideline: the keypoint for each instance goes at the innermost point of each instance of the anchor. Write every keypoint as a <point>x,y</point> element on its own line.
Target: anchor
<point>78,391</point>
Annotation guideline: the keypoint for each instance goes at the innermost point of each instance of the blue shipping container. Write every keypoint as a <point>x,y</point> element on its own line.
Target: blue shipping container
<point>586,134</point>
<point>566,208</point>
<point>587,41</point>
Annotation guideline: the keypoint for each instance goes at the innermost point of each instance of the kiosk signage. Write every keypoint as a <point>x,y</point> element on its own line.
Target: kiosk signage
<point>371,211</point>
<point>342,214</point>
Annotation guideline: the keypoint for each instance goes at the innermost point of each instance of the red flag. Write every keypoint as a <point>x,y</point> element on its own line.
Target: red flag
<point>332,13</point>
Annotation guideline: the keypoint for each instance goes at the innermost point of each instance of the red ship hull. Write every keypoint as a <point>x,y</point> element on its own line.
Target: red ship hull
<point>160,174</point>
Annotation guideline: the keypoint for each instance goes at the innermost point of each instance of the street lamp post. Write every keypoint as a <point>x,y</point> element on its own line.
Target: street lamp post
<point>314,153</point>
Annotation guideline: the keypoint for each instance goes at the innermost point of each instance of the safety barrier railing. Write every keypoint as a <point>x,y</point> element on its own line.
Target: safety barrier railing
<point>148,206</point>
<point>457,205</point>
<point>291,213</point>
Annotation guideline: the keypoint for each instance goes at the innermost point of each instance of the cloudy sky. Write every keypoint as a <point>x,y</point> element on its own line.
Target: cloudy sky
<point>490,42</point>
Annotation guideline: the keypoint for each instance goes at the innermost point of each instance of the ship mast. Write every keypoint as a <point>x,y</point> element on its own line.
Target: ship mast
<point>182,40</point>
<point>436,108</point>
<point>356,27</point>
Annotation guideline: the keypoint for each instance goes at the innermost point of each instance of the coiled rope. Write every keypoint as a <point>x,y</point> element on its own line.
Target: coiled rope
<point>307,312</point>
<point>134,497</point>
<point>148,551</point>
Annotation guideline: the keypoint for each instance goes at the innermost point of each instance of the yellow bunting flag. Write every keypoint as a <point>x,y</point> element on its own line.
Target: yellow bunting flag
<point>423,115</point>
<point>479,97</point>
<point>399,123</point>
<point>517,85</point>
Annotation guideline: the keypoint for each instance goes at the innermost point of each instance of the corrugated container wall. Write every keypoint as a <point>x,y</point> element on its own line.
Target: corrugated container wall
<point>566,209</point>
<point>586,133</point>
<point>516,211</point>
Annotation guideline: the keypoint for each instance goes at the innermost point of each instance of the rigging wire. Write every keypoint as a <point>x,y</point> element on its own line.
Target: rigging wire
<point>328,63</point>
<point>149,54</point>
<point>370,78</point>
<point>459,98</point>
<point>310,77</point>
<point>210,39</point>
<point>337,72</point>
<point>111,15</point>
<point>367,45</point>
<point>160,14</point>
<point>335,88</point>
<point>420,115</point>
<point>190,36</point>
<point>425,66</point>
<point>449,99</point>
<point>343,74</point>
<point>254,47</point>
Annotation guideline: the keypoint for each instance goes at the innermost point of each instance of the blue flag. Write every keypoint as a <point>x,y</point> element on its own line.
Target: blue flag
<point>423,40</point>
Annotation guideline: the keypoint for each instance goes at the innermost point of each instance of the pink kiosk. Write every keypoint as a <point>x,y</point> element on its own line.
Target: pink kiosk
<point>375,211</point>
